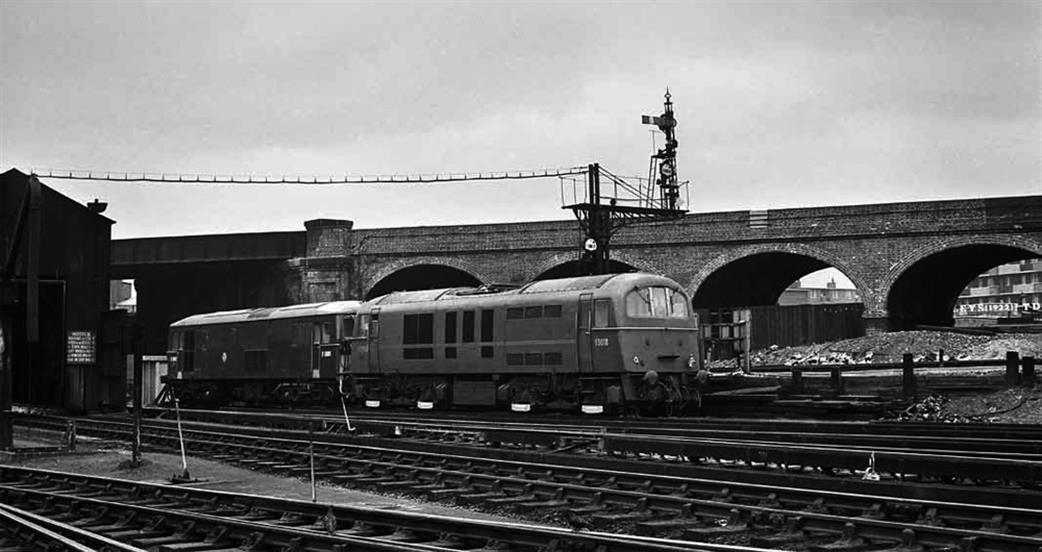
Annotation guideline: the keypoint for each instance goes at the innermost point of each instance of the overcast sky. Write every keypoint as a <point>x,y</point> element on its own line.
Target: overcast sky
<point>780,104</point>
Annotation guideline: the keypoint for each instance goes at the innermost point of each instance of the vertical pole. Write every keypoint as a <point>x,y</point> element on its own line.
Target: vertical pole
<point>598,221</point>
<point>136,449</point>
<point>837,379</point>
<point>1012,367</point>
<point>311,455</point>
<point>6,420</point>
<point>181,438</point>
<point>908,373</point>
<point>32,266</point>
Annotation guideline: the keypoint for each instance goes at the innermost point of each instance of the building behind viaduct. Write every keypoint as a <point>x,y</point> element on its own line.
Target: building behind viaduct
<point>908,261</point>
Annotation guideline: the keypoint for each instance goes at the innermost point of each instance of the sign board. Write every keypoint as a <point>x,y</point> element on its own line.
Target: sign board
<point>80,347</point>
<point>997,308</point>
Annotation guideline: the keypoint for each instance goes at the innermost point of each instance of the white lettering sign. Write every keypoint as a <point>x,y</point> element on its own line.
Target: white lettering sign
<point>998,308</point>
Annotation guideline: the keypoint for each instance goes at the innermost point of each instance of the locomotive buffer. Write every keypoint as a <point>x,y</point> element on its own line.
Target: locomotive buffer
<point>611,203</point>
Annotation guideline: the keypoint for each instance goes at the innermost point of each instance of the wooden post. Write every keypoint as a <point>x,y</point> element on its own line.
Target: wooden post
<point>1028,376</point>
<point>1012,368</point>
<point>908,380</point>
<point>797,380</point>
<point>837,379</point>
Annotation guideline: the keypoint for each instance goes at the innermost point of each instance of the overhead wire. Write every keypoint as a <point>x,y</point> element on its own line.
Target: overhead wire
<point>156,177</point>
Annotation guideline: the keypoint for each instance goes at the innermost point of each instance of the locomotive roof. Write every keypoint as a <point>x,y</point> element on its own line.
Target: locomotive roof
<point>580,283</point>
<point>269,313</point>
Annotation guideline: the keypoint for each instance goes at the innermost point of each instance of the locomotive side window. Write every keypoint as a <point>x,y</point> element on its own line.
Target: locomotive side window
<point>450,334</point>
<point>256,361</point>
<point>418,329</point>
<point>468,326</point>
<point>486,332</point>
<point>541,311</point>
<point>347,326</point>
<point>585,313</point>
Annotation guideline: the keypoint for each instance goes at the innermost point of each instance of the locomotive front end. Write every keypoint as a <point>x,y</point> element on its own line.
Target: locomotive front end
<point>653,337</point>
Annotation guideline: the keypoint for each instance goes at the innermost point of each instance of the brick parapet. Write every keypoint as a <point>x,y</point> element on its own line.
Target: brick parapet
<point>900,219</point>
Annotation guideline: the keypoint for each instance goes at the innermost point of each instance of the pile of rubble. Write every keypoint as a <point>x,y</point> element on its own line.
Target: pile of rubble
<point>884,348</point>
<point>1017,405</point>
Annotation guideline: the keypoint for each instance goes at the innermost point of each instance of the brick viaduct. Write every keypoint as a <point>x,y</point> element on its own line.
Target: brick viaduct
<point>909,261</point>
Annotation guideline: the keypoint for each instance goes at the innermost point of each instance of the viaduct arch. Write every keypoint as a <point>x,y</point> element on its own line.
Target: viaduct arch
<point>908,261</point>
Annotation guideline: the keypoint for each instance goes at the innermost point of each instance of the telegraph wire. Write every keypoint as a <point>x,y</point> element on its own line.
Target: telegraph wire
<point>163,178</point>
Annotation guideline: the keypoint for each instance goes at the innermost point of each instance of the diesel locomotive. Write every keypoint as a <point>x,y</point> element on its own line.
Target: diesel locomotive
<point>285,355</point>
<point>589,344</point>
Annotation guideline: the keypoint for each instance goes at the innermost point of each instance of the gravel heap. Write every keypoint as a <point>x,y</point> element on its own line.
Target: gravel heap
<point>889,348</point>
<point>1017,406</point>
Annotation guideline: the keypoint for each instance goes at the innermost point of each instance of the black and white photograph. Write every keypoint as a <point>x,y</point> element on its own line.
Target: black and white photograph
<point>520,275</point>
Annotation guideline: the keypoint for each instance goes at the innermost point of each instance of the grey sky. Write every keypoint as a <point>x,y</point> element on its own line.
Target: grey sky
<point>780,104</point>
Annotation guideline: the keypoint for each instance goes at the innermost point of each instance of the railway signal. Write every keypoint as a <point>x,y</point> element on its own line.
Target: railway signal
<point>609,203</point>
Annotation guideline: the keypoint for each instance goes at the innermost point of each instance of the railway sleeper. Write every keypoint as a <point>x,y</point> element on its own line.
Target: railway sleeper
<point>397,485</point>
<point>446,493</point>
<point>736,522</point>
<point>495,490</point>
<point>849,541</point>
<point>556,501</point>
<point>792,533</point>
<point>178,535</point>
<point>908,543</point>
<point>670,527</point>
<point>636,513</point>
<point>526,494</point>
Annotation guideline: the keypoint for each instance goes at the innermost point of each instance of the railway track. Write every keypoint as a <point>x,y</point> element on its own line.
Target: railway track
<point>977,434</point>
<point>127,516</point>
<point>658,499</point>
<point>966,453</point>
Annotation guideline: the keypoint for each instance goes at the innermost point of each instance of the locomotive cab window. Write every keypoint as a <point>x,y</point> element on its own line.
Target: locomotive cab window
<point>324,332</point>
<point>188,348</point>
<point>678,305</point>
<point>656,302</point>
<point>369,325</point>
<point>601,313</point>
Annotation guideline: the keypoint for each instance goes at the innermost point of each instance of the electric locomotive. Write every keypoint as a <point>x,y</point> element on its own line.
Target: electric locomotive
<point>590,343</point>
<point>285,355</point>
